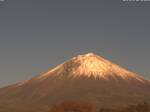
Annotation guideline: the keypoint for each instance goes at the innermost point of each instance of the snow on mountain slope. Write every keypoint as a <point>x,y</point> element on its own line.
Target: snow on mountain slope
<point>91,65</point>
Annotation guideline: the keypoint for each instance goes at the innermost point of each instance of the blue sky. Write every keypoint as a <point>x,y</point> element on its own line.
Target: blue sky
<point>37,35</point>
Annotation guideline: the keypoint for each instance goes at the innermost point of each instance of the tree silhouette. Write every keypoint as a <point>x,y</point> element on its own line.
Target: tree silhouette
<point>142,107</point>
<point>72,106</point>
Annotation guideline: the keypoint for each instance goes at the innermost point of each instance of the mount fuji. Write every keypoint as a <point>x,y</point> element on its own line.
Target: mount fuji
<point>88,78</point>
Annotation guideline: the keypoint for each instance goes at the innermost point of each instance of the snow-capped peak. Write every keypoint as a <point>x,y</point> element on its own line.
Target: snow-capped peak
<point>90,65</point>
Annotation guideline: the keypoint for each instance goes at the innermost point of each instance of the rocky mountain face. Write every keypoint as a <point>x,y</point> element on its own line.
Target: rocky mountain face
<point>88,78</point>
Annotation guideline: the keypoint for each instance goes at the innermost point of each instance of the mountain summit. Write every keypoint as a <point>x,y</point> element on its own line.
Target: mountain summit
<point>88,78</point>
<point>91,65</point>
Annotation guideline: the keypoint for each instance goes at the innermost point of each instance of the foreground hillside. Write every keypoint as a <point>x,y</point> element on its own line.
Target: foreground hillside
<point>86,107</point>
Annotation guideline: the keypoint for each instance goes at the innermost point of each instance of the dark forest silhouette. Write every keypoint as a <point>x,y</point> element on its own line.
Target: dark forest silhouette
<point>142,107</point>
<point>71,106</point>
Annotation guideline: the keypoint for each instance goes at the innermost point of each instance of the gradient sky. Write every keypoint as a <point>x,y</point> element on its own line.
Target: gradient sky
<point>36,35</point>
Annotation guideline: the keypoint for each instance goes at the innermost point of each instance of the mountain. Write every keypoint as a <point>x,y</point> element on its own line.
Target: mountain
<point>88,78</point>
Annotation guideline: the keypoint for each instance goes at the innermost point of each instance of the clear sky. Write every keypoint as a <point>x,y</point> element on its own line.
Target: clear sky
<point>36,35</point>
